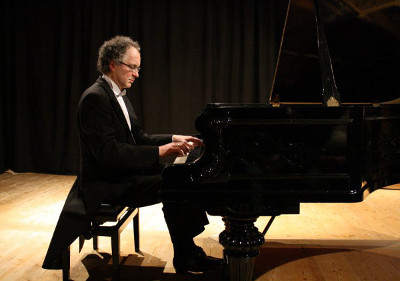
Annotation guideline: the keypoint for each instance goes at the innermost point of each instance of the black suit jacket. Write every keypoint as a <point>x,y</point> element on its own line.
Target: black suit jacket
<point>111,154</point>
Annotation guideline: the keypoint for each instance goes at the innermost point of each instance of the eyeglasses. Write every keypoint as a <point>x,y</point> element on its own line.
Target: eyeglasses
<point>133,68</point>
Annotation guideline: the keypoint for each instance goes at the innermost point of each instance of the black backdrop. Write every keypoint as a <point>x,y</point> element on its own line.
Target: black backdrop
<point>193,53</point>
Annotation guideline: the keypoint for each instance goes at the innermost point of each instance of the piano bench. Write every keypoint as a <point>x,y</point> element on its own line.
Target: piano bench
<point>109,221</point>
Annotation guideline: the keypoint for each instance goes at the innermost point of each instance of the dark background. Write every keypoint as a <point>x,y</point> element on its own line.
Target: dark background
<point>194,52</point>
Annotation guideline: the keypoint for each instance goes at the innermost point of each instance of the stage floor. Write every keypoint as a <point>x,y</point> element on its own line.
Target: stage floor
<point>346,241</point>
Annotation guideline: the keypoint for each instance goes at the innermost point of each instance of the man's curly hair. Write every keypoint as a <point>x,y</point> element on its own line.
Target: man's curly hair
<point>114,49</point>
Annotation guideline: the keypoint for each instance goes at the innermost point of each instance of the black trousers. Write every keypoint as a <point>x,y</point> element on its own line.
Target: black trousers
<point>184,221</point>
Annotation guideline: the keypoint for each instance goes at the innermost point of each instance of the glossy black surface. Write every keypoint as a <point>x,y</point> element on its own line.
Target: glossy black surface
<point>263,160</point>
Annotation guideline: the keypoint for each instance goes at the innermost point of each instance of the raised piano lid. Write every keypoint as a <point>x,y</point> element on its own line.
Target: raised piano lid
<point>364,45</point>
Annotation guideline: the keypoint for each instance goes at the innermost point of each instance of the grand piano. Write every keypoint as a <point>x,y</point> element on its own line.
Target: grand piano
<point>266,159</point>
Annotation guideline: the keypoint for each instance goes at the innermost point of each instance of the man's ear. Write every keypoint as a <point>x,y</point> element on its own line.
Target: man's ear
<point>112,65</point>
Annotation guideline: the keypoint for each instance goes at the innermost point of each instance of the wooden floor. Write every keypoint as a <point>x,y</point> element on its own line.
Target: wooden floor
<point>358,241</point>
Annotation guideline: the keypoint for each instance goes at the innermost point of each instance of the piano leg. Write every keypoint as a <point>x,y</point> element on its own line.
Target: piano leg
<point>241,241</point>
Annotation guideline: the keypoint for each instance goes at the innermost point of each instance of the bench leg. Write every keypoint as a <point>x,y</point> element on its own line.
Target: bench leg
<point>95,243</point>
<point>115,248</point>
<point>136,231</point>
<point>65,263</point>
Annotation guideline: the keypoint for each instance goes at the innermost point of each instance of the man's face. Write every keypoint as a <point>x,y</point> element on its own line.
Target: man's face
<point>126,71</point>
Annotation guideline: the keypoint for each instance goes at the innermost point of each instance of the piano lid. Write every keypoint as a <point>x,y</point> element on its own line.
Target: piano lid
<point>364,45</point>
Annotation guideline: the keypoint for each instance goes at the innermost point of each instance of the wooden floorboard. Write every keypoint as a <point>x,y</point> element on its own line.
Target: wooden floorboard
<point>352,241</point>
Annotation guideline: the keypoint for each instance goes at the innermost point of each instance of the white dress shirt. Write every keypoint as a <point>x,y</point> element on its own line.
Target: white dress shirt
<point>119,94</point>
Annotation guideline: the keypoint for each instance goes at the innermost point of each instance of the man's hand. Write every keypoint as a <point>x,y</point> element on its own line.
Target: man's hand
<point>180,146</point>
<point>174,149</point>
<point>189,140</point>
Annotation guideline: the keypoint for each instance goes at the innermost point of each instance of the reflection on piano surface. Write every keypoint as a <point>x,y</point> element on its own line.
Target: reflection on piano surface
<point>266,159</point>
<point>302,153</point>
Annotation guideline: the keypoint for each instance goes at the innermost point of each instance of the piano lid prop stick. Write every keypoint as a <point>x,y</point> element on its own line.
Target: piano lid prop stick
<point>271,220</point>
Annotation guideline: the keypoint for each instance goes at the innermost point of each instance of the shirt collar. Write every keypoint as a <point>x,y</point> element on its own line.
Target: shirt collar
<point>114,87</point>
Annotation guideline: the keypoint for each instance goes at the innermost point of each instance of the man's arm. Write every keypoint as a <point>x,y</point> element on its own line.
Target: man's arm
<point>105,138</point>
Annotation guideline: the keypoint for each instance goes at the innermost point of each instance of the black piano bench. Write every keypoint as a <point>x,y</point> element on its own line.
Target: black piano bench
<point>119,216</point>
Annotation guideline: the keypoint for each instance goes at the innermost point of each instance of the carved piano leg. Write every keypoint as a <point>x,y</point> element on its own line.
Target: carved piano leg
<point>242,242</point>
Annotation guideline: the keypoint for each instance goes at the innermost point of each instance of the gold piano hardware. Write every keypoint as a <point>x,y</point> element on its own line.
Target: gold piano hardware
<point>332,102</point>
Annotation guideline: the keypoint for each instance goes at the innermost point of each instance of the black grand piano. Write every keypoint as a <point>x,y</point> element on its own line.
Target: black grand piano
<point>266,159</point>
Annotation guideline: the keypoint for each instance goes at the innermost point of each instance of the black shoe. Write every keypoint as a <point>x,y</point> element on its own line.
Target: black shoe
<point>198,251</point>
<point>196,262</point>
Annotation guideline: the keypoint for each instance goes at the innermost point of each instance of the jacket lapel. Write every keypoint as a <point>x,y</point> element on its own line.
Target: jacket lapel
<point>132,114</point>
<point>116,107</point>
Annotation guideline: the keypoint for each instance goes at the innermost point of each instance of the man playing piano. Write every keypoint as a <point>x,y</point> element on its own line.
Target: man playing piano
<point>120,163</point>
